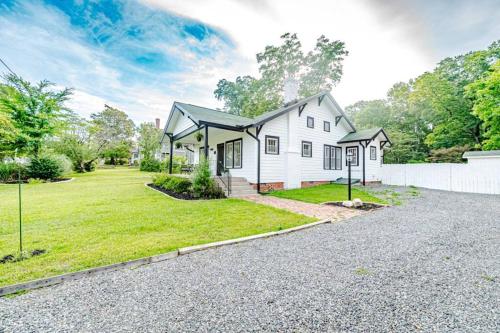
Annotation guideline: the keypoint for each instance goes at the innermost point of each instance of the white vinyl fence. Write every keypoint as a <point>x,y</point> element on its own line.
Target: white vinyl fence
<point>478,177</point>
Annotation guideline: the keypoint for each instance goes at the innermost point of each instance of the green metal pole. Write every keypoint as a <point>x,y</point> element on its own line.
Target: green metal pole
<point>20,215</point>
<point>20,209</point>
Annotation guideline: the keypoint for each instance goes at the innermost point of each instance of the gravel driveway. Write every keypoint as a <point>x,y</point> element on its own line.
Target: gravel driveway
<point>431,265</point>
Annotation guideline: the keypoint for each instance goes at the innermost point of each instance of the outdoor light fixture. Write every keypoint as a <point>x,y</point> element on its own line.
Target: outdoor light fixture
<point>349,160</point>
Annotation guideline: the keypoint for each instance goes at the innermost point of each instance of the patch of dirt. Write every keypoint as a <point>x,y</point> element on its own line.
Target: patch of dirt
<point>7,258</point>
<point>366,206</point>
<point>37,252</point>
<point>11,258</point>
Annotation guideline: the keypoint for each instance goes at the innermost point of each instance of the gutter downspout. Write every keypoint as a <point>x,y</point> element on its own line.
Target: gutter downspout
<point>256,137</point>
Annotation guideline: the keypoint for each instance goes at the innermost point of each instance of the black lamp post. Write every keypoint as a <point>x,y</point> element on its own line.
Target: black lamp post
<point>349,160</point>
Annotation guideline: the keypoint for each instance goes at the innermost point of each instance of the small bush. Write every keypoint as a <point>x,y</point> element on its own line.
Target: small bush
<point>150,165</point>
<point>173,183</point>
<point>204,185</point>
<point>65,163</point>
<point>45,168</point>
<point>9,171</point>
<point>160,179</point>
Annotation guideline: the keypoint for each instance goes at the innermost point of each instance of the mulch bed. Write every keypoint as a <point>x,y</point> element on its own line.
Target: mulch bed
<point>25,181</point>
<point>182,196</point>
<point>365,206</point>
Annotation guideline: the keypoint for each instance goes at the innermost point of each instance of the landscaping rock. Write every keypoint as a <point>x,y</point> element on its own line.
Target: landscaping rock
<point>347,204</point>
<point>357,202</point>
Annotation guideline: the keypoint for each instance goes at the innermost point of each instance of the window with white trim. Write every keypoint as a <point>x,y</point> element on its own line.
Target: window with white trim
<point>306,149</point>
<point>373,153</point>
<point>332,158</point>
<point>354,151</point>
<point>233,154</point>
<point>272,145</point>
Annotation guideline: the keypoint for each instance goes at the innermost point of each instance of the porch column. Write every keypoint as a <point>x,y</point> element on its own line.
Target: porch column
<point>364,158</point>
<point>171,156</point>
<point>206,142</point>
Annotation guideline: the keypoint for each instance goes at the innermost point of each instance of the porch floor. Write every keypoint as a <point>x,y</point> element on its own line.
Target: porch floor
<point>309,209</point>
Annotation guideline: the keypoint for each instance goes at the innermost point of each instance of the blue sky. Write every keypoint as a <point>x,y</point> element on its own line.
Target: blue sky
<point>142,55</point>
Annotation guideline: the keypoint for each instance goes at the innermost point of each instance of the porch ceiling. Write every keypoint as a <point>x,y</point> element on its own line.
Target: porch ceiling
<point>212,132</point>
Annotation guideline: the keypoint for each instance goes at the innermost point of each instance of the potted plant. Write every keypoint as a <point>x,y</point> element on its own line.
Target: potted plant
<point>198,136</point>
<point>178,145</point>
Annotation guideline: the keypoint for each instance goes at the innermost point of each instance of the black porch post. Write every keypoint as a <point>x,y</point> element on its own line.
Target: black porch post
<point>364,157</point>
<point>171,156</point>
<point>206,142</point>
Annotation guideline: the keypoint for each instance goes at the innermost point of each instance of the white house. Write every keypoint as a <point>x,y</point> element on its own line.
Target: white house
<point>301,144</point>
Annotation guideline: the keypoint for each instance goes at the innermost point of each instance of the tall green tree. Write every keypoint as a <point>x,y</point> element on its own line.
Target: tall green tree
<point>77,144</point>
<point>319,69</point>
<point>149,140</point>
<point>485,94</point>
<point>37,111</point>
<point>112,131</point>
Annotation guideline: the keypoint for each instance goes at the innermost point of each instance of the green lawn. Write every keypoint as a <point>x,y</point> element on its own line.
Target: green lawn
<point>109,216</point>
<point>324,193</point>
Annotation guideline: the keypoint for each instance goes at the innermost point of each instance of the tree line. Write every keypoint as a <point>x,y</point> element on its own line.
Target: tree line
<point>440,114</point>
<point>434,117</point>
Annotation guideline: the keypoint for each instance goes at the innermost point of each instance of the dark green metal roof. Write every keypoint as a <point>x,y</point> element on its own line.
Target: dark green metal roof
<point>487,153</point>
<point>206,115</point>
<point>361,135</point>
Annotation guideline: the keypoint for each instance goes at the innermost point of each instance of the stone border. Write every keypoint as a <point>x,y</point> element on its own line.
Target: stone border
<point>50,281</point>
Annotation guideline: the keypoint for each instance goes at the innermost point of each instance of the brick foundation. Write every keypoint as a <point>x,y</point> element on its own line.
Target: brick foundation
<point>314,183</point>
<point>266,187</point>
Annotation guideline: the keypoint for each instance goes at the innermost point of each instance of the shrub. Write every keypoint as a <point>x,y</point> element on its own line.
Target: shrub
<point>173,183</point>
<point>160,179</point>
<point>9,171</point>
<point>150,165</point>
<point>448,155</point>
<point>65,163</point>
<point>204,185</point>
<point>46,167</point>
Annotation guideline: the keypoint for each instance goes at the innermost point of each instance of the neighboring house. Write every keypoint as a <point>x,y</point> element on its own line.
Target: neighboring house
<point>162,152</point>
<point>303,143</point>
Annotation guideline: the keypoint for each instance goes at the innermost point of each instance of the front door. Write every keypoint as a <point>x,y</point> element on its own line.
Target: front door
<point>220,158</point>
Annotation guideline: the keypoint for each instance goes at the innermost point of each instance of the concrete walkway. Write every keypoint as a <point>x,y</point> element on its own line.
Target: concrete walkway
<point>309,209</point>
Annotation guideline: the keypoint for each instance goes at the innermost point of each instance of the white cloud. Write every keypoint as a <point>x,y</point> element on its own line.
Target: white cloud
<point>380,53</point>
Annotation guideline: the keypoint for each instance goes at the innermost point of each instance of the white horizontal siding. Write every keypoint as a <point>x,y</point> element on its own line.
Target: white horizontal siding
<point>273,166</point>
<point>312,167</point>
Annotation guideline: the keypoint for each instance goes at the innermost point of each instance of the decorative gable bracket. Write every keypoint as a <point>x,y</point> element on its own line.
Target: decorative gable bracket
<point>320,99</point>
<point>301,108</point>
<point>365,143</point>
<point>338,119</point>
<point>382,144</point>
